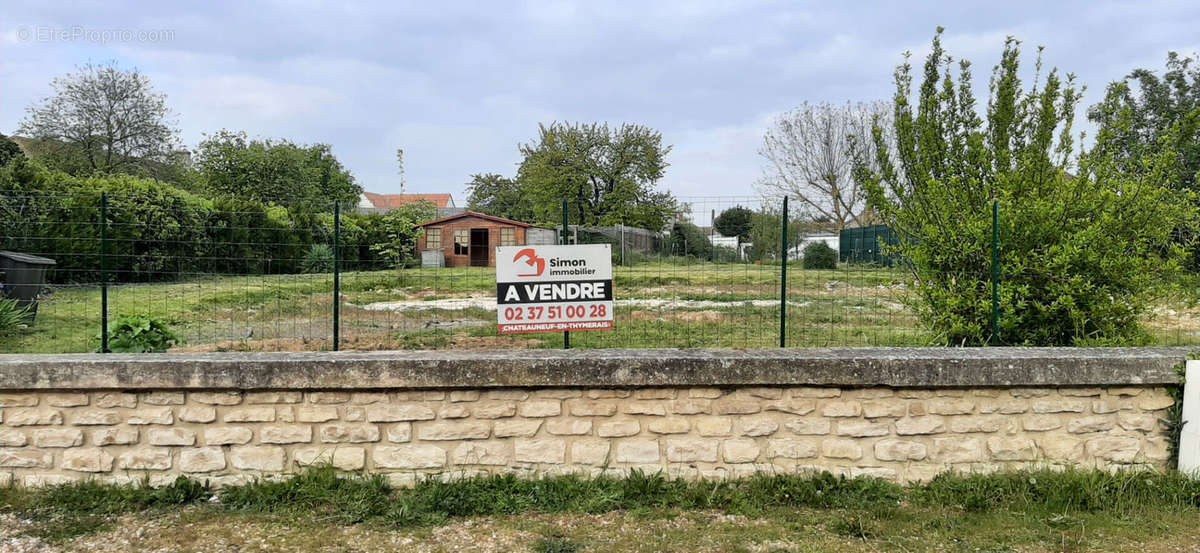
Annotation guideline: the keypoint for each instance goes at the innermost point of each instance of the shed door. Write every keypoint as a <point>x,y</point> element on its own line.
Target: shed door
<point>479,247</point>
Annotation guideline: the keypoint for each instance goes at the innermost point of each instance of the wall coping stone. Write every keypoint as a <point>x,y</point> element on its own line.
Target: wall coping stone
<point>841,367</point>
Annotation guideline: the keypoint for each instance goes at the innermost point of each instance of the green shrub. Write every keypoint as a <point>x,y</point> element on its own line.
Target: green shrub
<point>12,316</point>
<point>818,255</point>
<point>141,334</point>
<point>400,233</point>
<point>688,239</point>
<point>318,259</point>
<point>1082,239</point>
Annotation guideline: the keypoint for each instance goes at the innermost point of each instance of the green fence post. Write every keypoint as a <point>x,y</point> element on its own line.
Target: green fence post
<point>783,279</point>
<point>995,272</point>
<point>563,239</point>
<point>712,235</point>
<point>104,272</point>
<point>337,276</point>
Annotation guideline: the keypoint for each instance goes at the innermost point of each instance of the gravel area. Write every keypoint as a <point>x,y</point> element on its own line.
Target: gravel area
<point>208,530</point>
<point>12,542</point>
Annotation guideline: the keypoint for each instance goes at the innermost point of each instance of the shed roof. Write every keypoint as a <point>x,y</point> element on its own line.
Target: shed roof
<point>479,215</point>
<point>392,201</point>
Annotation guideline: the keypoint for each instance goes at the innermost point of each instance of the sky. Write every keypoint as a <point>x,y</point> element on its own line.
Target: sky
<point>459,85</point>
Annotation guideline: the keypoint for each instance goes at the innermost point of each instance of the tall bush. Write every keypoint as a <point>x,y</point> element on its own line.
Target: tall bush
<point>818,255</point>
<point>688,239</point>
<point>400,232</point>
<point>1082,240</point>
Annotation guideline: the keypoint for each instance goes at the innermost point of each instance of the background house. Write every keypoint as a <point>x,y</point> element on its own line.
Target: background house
<point>469,239</point>
<point>370,202</point>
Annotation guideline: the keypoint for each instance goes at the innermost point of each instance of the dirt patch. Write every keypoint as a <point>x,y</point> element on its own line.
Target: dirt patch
<point>689,316</point>
<point>1175,319</point>
<point>274,344</point>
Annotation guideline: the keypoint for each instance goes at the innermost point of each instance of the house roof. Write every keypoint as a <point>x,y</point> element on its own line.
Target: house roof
<point>391,201</point>
<point>479,215</point>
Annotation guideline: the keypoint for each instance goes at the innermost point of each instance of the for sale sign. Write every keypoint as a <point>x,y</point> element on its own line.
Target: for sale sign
<point>554,288</point>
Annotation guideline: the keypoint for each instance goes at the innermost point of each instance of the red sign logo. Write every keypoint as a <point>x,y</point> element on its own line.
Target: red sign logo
<point>532,260</point>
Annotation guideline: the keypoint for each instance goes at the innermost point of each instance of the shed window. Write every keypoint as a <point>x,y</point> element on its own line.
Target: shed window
<point>508,237</point>
<point>433,239</point>
<point>462,242</point>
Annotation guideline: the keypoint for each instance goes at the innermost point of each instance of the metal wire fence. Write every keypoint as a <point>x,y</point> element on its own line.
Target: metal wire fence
<point>290,276</point>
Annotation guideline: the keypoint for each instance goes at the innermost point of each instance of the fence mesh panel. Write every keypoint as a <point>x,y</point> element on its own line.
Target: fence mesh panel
<point>240,276</point>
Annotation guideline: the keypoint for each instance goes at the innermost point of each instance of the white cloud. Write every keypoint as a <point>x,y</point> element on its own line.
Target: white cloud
<point>460,85</point>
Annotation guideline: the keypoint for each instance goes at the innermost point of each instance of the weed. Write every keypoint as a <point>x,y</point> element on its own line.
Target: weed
<point>12,315</point>
<point>556,544</point>
<point>856,526</point>
<point>141,334</point>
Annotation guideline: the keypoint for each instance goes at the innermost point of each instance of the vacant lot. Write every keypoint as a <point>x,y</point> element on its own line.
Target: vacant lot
<point>665,304</point>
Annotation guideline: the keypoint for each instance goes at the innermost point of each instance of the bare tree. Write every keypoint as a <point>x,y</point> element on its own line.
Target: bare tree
<point>809,157</point>
<point>109,118</point>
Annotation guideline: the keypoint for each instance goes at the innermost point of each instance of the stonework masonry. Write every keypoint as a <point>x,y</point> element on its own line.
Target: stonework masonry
<point>903,433</point>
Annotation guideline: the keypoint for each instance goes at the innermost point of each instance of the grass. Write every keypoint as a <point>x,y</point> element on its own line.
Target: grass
<point>65,511</point>
<point>998,512</point>
<point>850,306</point>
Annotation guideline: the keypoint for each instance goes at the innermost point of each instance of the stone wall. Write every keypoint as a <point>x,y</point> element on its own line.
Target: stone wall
<point>133,426</point>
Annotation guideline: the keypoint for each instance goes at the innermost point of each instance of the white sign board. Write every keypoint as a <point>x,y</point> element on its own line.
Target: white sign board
<point>1189,439</point>
<point>554,288</point>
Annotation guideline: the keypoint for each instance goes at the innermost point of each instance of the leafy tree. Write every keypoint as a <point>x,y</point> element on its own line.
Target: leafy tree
<point>1156,107</point>
<point>102,119</point>
<point>808,157</point>
<point>400,232</point>
<point>766,233</point>
<point>735,221</point>
<point>9,150</point>
<point>608,174</point>
<point>273,170</point>
<point>499,196</point>
<point>1082,238</point>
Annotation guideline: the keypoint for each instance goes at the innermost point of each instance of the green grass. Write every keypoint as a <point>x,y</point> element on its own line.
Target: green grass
<point>998,512</point>
<point>63,512</point>
<point>850,306</point>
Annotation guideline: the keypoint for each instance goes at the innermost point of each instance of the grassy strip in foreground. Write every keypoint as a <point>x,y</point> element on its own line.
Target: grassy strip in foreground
<point>64,511</point>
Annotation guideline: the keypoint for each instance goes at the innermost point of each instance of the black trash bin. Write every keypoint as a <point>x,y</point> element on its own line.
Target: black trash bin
<point>23,277</point>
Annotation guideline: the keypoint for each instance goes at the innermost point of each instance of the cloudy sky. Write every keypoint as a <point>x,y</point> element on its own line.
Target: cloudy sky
<point>459,85</point>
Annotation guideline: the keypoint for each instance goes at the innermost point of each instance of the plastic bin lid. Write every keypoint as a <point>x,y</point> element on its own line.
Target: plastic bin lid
<point>26,258</point>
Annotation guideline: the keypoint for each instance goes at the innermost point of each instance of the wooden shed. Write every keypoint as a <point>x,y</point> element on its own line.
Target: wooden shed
<point>469,239</point>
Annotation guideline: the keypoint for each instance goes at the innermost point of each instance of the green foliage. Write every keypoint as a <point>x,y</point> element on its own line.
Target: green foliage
<point>1082,240</point>
<point>141,334</point>
<point>688,239</point>
<point>735,222</point>
<point>158,231</point>
<point>766,230</point>
<point>818,255</point>
<point>856,507</point>
<point>64,511</point>
<point>318,259</point>
<point>273,170</point>
<point>102,120</point>
<point>9,150</point>
<point>12,315</point>
<point>607,174</point>
<point>399,228</point>
<point>501,197</point>
<point>1145,108</point>
<point>556,544</point>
